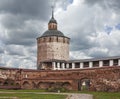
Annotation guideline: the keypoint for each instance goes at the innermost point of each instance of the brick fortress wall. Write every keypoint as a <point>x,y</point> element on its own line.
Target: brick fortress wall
<point>101,79</point>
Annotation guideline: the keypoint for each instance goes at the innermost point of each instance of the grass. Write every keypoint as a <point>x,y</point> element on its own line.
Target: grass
<point>31,95</point>
<point>104,95</point>
<point>23,90</point>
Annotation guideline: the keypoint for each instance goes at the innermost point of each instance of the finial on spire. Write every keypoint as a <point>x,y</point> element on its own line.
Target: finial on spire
<point>52,25</point>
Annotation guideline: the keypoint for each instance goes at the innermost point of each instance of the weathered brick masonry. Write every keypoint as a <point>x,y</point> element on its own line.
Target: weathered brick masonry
<point>101,79</point>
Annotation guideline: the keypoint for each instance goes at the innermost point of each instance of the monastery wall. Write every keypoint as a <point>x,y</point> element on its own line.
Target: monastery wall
<point>94,79</point>
<point>100,79</point>
<point>10,78</point>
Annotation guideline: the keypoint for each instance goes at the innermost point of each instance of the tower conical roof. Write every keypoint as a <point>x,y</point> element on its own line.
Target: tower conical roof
<point>52,33</point>
<point>52,20</point>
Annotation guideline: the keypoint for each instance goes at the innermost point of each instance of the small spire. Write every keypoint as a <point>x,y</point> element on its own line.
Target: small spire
<point>52,11</point>
<point>52,20</point>
<point>52,25</point>
<point>52,7</point>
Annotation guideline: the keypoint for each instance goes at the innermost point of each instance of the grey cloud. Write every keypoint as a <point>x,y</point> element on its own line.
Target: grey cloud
<point>32,59</point>
<point>78,43</point>
<point>15,50</point>
<point>107,4</point>
<point>2,64</point>
<point>1,50</point>
<point>98,53</point>
<point>17,39</point>
<point>32,50</point>
<point>92,2</point>
<point>16,14</point>
<point>81,40</point>
<point>29,8</point>
<point>25,36</point>
<point>10,21</point>
<point>63,3</point>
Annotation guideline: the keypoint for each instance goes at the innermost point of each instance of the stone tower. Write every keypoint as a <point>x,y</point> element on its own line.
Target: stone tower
<point>52,45</point>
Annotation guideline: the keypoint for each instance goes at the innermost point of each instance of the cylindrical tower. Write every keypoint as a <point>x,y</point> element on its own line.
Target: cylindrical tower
<point>52,45</point>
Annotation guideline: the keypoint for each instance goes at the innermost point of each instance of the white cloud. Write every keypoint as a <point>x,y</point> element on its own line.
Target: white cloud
<point>85,25</point>
<point>83,21</point>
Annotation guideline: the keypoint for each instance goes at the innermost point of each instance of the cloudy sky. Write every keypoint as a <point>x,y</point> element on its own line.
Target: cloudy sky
<point>92,25</point>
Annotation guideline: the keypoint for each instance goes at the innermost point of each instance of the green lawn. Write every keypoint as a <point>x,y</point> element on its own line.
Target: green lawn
<point>32,95</point>
<point>26,90</point>
<point>104,95</point>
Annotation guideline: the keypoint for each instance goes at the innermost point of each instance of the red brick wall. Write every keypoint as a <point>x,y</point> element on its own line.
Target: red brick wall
<point>101,79</point>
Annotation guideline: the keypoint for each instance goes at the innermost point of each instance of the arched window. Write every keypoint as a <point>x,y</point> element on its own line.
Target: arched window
<point>63,40</point>
<point>57,39</point>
